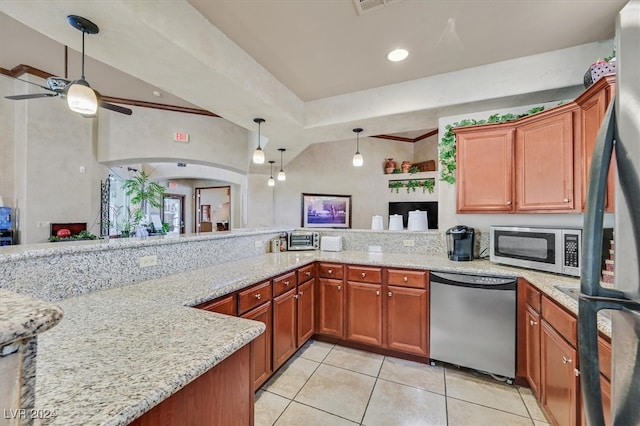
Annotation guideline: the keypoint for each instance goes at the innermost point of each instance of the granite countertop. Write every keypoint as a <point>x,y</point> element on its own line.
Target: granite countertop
<point>119,352</point>
<point>22,317</point>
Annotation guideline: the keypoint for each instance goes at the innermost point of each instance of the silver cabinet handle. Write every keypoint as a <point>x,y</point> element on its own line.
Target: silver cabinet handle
<point>508,203</point>
<point>405,279</point>
<point>330,271</point>
<point>363,275</point>
<point>301,293</point>
<point>389,294</point>
<point>258,296</point>
<point>308,273</point>
<point>339,287</point>
<point>286,283</point>
<point>377,292</point>
<point>566,360</point>
<point>566,200</point>
<point>295,296</point>
<point>532,322</point>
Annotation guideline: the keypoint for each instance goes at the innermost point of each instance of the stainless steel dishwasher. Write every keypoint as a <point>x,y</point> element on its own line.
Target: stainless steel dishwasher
<point>473,322</point>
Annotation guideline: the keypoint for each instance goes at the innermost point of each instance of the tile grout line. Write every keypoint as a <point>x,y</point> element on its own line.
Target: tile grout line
<point>375,383</point>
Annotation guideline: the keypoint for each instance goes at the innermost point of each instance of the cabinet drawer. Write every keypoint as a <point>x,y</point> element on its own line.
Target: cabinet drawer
<point>404,278</point>
<point>532,296</point>
<point>284,283</point>
<point>364,274</point>
<point>305,273</point>
<point>604,350</point>
<point>331,270</point>
<point>222,305</point>
<point>563,322</point>
<point>254,296</point>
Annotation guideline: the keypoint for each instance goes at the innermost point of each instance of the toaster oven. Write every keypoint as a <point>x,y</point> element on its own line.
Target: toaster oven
<point>303,240</point>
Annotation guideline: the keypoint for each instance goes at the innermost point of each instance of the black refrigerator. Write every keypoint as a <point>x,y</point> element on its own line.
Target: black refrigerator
<point>620,133</point>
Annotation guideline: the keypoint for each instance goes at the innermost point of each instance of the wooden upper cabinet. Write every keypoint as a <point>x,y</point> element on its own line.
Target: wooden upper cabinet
<point>593,104</point>
<point>544,162</point>
<point>485,171</point>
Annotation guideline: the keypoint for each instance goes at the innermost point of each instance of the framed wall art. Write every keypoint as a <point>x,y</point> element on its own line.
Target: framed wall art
<point>326,211</point>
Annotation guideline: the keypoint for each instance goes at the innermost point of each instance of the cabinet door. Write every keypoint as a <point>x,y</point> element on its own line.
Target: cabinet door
<point>544,164</point>
<point>532,322</point>
<point>261,345</point>
<point>407,327</point>
<point>364,313</point>
<point>558,380</point>
<point>485,170</point>
<point>330,307</point>
<point>593,105</point>
<point>306,311</point>
<point>284,327</point>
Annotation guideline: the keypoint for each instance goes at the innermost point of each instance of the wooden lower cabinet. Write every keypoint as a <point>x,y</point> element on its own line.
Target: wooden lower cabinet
<point>306,311</point>
<point>558,379</point>
<point>407,321</point>
<point>330,307</point>
<point>364,313</point>
<point>261,345</point>
<point>532,332</point>
<point>284,327</point>
<point>222,396</point>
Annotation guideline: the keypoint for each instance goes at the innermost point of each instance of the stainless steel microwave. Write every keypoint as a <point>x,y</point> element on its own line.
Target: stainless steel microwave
<point>549,249</point>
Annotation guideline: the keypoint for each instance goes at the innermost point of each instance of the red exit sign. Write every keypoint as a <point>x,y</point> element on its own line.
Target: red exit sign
<point>181,137</point>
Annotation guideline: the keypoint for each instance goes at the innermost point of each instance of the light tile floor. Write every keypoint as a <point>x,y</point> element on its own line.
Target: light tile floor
<point>327,385</point>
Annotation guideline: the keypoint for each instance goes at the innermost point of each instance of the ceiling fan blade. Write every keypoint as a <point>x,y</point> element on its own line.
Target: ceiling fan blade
<point>35,84</point>
<point>32,96</point>
<point>116,108</point>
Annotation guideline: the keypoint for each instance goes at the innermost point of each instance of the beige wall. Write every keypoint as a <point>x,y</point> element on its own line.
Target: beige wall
<point>326,168</point>
<point>147,136</point>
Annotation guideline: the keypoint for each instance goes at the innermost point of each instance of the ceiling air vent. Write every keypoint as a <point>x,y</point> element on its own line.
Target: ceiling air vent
<point>366,5</point>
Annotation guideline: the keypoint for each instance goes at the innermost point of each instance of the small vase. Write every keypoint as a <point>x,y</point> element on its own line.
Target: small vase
<point>405,166</point>
<point>389,166</point>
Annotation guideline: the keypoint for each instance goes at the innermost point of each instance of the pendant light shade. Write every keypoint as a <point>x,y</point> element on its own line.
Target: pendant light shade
<point>271,181</point>
<point>358,161</point>
<point>81,98</point>
<point>258,154</point>
<point>281,175</point>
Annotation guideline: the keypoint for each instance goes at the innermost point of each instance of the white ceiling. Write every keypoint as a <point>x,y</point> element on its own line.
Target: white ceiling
<point>314,69</point>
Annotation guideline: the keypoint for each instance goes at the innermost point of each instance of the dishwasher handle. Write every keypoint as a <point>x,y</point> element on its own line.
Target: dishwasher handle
<point>487,282</point>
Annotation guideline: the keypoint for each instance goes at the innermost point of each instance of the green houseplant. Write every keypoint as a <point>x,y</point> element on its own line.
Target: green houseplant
<point>143,193</point>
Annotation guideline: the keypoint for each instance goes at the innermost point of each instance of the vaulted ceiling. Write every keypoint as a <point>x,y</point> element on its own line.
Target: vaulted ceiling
<point>316,69</point>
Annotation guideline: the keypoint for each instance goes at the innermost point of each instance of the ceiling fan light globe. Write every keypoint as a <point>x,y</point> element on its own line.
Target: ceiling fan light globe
<point>258,156</point>
<point>81,98</point>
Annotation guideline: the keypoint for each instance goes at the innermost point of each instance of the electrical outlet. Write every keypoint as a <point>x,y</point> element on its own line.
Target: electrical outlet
<point>42,224</point>
<point>375,249</point>
<point>147,261</point>
<point>257,244</point>
<point>409,243</point>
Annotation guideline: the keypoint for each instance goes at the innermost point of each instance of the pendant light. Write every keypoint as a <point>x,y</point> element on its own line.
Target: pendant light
<point>281,175</point>
<point>271,181</point>
<point>258,154</point>
<point>358,161</point>
<point>80,97</point>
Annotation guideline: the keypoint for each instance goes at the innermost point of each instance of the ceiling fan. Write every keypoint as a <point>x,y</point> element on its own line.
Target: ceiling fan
<point>81,98</point>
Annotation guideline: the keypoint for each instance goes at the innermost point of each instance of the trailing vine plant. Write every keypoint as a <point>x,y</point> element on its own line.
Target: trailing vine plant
<point>447,146</point>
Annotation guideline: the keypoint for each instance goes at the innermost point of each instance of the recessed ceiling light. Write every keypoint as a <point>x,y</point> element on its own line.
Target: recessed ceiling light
<point>397,55</point>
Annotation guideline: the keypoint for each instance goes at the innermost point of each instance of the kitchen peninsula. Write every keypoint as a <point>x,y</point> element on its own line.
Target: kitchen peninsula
<point>120,351</point>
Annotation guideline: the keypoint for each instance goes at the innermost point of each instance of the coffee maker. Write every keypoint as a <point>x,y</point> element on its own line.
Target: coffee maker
<point>460,243</point>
